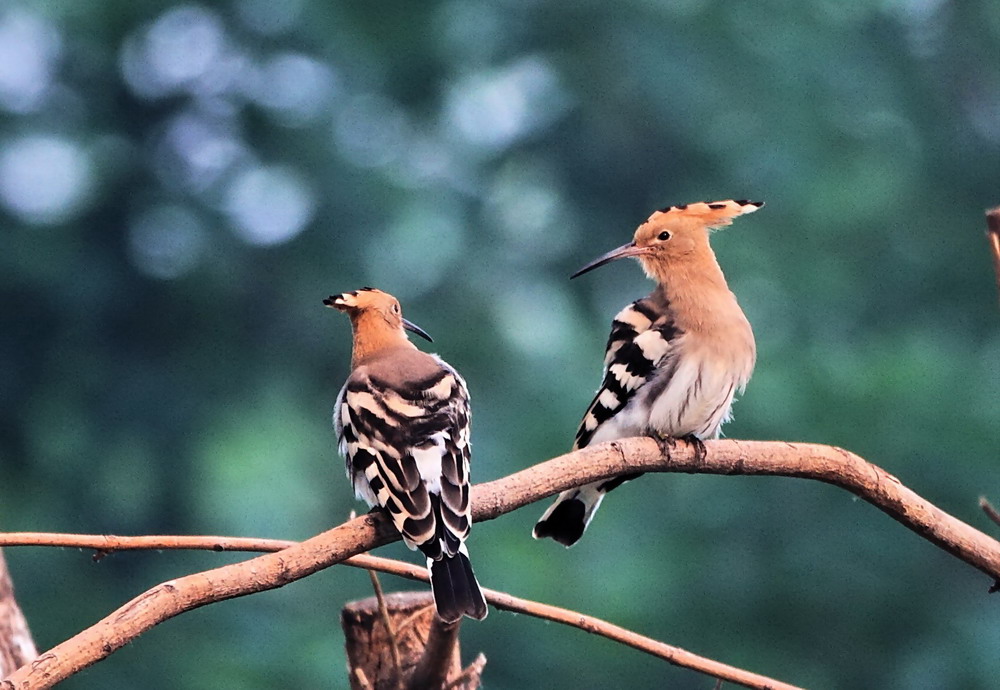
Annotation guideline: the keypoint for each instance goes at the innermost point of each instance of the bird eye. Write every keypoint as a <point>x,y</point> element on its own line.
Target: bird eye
<point>395,309</point>
<point>663,236</point>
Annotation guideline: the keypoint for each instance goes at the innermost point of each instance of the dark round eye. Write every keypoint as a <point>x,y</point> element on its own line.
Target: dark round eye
<point>395,309</point>
<point>663,236</point>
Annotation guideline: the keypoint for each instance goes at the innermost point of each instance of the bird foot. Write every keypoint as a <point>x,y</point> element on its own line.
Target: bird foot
<point>664,441</point>
<point>668,443</point>
<point>700,452</point>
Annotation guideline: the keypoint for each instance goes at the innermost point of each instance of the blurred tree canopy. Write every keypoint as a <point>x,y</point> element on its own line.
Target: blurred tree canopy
<point>182,183</point>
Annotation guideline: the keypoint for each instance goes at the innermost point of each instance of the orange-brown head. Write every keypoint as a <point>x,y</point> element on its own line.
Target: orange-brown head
<point>376,320</point>
<point>675,236</point>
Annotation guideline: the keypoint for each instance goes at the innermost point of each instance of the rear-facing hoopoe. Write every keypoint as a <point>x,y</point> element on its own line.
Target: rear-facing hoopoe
<point>674,359</point>
<point>402,421</point>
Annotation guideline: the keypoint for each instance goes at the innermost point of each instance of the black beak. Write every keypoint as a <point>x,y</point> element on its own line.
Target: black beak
<point>623,251</point>
<point>414,328</point>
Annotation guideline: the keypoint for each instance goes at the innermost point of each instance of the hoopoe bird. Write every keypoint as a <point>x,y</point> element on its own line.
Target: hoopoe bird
<point>675,359</point>
<point>402,422</point>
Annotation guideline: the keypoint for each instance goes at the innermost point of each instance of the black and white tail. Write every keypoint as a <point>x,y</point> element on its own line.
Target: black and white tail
<point>456,591</point>
<point>567,518</point>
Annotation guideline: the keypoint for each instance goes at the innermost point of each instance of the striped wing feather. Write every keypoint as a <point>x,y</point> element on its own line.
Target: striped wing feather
<point>641,341</point>
<point>407,450</point>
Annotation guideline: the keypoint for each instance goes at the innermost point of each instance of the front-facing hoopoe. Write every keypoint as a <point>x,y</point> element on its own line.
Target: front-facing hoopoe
<point>402,422</point>
<point>674,359</point>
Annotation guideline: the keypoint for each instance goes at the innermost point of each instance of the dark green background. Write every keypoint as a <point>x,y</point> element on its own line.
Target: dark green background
<point>181,185</point>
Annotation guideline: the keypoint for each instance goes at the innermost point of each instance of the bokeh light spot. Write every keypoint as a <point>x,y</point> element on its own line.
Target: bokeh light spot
<point>166,241</point>
<point>526,205</point>
<point>294,87</point>
<point>28,50</point>
<point>44,179</point>
<point>417,251</point>
<point>196,150</point>
<point>496,108</point>
<point>177,50</point>
<point>269,205</point>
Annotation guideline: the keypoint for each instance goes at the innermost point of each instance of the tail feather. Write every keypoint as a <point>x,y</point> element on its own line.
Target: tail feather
<point>566,520</point>
<point>456,591</point>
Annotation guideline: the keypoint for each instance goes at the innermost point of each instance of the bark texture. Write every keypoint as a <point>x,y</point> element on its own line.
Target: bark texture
<point>428,649</point>
<point>16,646</point>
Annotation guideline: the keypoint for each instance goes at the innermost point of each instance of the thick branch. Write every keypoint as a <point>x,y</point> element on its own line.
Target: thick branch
<point>174,597</point>
<point>827,464</point>
<point>490,500</point>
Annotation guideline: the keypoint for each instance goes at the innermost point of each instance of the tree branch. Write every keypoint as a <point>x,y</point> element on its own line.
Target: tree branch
<point>990,511</point>
<point>390,632</point>
<point>993,235</point>
<point>174,597</point>
<point>822,463</point>
<point>470,677</point>
<point>500,600</point>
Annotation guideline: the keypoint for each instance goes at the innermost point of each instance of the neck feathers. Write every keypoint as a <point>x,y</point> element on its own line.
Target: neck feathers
<point>373,334</point>
<point>698,295</point>
<point>693,272</point>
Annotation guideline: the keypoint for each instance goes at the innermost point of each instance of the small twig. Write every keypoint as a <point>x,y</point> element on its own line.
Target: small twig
<point>362,679</point>
<point>993,515</point>
<point>471,672</point>
<point>383,611</point>
<point>990,511</point>
<point>993,235</point>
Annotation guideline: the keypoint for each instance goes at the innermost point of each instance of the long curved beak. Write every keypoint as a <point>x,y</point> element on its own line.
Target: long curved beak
<point>414,328</point>
<point>623,251</point>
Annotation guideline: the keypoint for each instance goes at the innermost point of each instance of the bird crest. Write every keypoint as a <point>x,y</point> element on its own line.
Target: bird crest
<point>674,235</point>
<point>686,218</point>
<point>361,299</point>
<point>710,214</point>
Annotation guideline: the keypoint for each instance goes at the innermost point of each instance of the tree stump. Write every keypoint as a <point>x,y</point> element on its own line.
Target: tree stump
<point>429,654</point>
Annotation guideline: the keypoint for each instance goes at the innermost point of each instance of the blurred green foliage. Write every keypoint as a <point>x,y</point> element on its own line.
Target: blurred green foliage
<point>182,184</point>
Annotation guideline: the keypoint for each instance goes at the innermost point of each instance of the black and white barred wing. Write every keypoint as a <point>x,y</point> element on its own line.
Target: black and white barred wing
<point>640,354</point>
<point>642,341</point>
<point>407,449</point>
